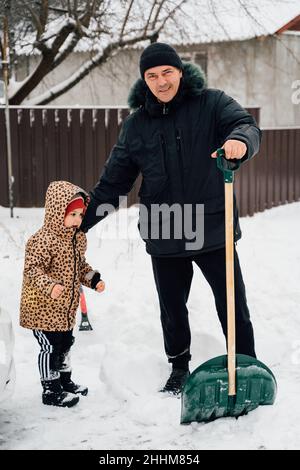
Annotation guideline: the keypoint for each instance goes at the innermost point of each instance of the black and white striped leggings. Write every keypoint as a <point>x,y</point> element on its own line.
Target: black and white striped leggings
<point>54,355</point>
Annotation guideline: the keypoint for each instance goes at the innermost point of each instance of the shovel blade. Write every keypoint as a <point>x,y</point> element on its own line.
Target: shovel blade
<point>205,393</point>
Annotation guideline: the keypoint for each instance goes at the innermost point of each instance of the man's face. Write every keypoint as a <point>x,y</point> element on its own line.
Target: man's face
<point>163,81</point>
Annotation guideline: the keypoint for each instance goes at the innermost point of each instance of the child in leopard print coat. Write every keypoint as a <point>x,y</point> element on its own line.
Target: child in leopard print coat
<point>54,269</point>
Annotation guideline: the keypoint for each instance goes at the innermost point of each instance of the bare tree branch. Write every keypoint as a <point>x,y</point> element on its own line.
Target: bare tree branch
<point>171,14</point>
<point>60,38</point>
<point>35,19</point>
<point>45,65</point>
<point>150,16</point>
<point>84,20</point>
<point>59,10</point>
<point>214,12</point>
<point>1,48</point>
<point>100,59</point>
<point>126,18</point>
<point>159,7</point>
<point>66,51</point>
<point>69,8</point>
<point>43,14</point>
<point>55,47</point>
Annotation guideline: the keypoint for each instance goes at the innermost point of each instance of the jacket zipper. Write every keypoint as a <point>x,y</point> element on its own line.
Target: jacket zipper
<point>74,277</point>
<point>163,146</point>
<point>181,166</point>
<point>179,151</point>
<point>165,109</point>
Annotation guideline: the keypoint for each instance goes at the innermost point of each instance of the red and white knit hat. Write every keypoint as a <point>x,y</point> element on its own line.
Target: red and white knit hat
<point>77,203</point>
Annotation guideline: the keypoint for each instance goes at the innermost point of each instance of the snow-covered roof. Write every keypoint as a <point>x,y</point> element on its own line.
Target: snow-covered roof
<point>207,21</point>
<point>198,21</point>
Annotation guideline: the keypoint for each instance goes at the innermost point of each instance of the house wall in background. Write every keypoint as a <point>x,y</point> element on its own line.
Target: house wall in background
<point>257,72</point>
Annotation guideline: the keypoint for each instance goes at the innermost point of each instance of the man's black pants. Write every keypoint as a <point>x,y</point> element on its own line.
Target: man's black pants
<point>173,277</point>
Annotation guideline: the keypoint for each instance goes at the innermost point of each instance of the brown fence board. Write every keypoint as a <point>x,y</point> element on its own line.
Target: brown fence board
<point>284,167</point>
<point>3,162</point>
<point>244,190</point>
<point>15,148</point>
<point>291,167</point>
<point>50,147</point>
<point>237,190</point>
<point>100,143</point>
<point>277,169</point>
<point>297,166</point>
<point>268,152</point>
<point>87,148</point>
<point>75,156</point>
<point>63,132</point>
<point>112,129</point>
<point>252,193</point>
<point>26,190</point>
<point>38,158</point>
<point>262,172</point>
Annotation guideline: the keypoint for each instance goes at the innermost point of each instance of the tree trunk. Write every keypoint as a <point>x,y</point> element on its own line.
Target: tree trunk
<point>40,72</point>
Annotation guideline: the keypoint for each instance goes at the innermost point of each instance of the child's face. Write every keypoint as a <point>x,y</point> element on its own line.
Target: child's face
<point>74,218</point>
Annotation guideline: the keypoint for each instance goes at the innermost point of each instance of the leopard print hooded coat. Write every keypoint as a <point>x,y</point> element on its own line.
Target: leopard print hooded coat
<point>54,255</point>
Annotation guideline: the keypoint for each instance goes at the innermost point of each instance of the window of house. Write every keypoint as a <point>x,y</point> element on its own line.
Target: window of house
<point>198,58</point>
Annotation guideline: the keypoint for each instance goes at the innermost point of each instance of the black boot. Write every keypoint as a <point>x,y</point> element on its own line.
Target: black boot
<point>69,386</point>
<point>176,381</point>
<point>53,394</point>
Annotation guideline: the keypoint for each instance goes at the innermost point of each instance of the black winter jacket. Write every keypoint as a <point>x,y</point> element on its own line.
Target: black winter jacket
<point>170,145</point>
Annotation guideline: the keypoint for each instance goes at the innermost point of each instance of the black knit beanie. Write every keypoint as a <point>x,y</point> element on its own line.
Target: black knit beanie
<point>159,53</point>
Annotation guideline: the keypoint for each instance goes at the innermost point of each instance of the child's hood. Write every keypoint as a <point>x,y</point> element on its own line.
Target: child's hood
<point>58,196</point>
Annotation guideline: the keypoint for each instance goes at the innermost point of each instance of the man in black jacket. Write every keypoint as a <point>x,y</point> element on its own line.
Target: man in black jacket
<point>171,139</point>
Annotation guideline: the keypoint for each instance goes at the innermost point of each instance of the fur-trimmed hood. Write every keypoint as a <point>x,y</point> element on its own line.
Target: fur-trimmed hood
<point>192,83</point>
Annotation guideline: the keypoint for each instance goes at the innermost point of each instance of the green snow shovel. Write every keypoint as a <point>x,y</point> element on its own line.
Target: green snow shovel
<point>233,384</point>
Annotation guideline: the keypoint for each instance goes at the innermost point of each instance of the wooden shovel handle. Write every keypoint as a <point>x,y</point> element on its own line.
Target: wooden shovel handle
<point>229,237</point>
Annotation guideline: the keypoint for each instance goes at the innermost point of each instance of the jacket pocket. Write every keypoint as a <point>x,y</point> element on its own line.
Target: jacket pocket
<point>154,188</point>
<point>152,161</point>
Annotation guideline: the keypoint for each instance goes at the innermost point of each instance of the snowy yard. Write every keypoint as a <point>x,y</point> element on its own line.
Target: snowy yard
<point>122,360</point>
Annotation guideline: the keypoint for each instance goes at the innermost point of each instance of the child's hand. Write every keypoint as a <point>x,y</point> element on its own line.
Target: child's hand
<point>57,291</point>
<point>100,286</point>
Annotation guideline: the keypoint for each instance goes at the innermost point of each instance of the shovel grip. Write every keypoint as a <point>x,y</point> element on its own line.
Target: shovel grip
<point>228,167</point>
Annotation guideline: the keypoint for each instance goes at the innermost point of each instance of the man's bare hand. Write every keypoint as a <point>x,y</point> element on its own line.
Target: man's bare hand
<point>233,149</point>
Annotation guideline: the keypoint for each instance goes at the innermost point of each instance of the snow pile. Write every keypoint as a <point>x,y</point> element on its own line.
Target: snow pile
<point>122,360</point>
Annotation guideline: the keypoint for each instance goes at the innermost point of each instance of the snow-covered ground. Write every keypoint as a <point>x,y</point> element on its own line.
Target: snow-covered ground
<point>122,360</point>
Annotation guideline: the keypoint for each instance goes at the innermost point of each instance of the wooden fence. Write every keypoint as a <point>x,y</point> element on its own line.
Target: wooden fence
<point>73,144</point>
<point>272,178</point>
